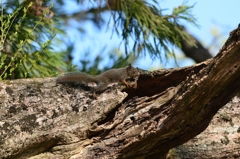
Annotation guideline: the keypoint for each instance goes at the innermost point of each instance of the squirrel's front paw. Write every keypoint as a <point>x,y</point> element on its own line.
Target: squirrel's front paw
<point>128,84</point>
<point>135,85</point>
<point>132,85</point>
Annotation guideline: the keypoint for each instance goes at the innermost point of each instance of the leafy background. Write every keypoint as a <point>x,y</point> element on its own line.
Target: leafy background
<point>90,36</point>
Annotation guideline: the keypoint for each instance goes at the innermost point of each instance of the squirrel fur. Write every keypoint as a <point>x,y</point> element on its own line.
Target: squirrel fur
<point>102,80</point>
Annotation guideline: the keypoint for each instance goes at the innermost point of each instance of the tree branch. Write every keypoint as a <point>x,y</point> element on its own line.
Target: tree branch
<point>198,53</point>
<point>41,119</point>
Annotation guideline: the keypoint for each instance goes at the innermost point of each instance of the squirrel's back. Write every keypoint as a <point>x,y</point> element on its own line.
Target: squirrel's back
<point>119,74</point>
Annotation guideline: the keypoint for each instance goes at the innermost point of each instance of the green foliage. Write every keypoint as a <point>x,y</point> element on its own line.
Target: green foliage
<point>142,24</point>
<point>150,30</point>
<point>27,44</point>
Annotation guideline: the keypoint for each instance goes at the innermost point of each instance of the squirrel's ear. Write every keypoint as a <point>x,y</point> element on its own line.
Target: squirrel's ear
<point>129,65</point>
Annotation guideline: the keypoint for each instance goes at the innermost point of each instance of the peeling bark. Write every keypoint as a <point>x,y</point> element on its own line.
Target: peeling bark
<point>39,119</point>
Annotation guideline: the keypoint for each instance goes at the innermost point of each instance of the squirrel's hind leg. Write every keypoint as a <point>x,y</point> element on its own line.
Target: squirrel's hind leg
<point>100,87</point>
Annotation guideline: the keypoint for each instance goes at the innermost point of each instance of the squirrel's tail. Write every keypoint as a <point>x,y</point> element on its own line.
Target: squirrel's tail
<point>75,77</point>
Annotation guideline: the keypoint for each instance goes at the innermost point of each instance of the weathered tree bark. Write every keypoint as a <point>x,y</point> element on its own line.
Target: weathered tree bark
<point>40,119</point>
<point>219,140</point>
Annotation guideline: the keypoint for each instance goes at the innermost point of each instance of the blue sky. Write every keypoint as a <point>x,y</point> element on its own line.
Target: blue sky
<point>213,16</point>
<point>221,14</point>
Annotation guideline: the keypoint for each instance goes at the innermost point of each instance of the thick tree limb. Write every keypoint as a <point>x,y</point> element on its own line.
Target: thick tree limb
<point>40,119</point>
<point>198,53</point>
<point>219,140</point>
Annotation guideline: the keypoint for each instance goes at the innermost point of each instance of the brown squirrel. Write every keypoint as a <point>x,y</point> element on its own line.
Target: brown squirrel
<point>102,80</point>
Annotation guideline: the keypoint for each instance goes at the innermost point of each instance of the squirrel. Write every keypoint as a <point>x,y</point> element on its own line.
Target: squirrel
<point>102,80</point>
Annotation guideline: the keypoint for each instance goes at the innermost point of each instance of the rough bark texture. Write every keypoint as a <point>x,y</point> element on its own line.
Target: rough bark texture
<point>220,140</point>
<point>40,119</point>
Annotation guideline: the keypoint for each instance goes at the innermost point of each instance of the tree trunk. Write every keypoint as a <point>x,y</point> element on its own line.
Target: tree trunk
<point>40,119</point>
<point>220,140</point>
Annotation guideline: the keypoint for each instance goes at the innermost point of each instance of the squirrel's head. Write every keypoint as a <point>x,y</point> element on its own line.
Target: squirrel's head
<point>132,71</point>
